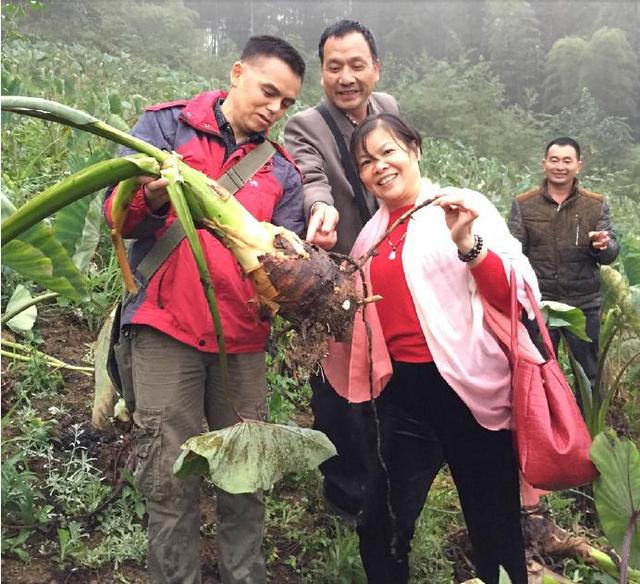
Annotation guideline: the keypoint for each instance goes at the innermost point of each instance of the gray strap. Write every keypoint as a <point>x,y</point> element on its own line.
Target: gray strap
<point>236,177</point>
<point>161,250</point>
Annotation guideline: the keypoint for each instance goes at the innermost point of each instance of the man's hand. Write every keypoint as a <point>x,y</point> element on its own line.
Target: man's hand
<point>322,226</point>
<point>155,192</point>
<point>599,239</point>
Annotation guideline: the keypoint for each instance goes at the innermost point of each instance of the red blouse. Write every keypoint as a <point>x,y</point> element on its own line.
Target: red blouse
<point>397,313</point>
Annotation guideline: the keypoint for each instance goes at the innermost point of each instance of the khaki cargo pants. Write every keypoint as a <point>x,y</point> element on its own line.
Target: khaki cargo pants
<point>176,387</point>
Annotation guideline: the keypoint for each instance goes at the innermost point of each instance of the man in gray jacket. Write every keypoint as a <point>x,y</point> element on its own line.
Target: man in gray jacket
<point>336,208</point>
<point>350,70</point>
<point>567,233</point>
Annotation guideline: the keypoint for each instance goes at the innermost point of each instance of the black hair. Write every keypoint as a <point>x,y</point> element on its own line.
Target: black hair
<point>396,126</point>
<point>341,29</point>
<point>270,46</point>
<point>563,141</point>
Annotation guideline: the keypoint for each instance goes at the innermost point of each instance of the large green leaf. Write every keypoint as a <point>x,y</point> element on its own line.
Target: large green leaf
<point>631,259</point>
<point>617,491</point>
<point>25,319</point>
<point>559,315</point>
<point>252,455</point>
<point>77,228</point>
<point>631,308</point>
<point>38,256</point>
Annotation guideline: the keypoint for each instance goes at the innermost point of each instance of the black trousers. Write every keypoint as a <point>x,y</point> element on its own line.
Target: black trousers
<point>344,475</point>
<point>423,423</point>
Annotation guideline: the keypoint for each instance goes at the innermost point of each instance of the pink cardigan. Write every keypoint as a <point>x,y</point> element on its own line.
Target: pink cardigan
<point>450,311</point>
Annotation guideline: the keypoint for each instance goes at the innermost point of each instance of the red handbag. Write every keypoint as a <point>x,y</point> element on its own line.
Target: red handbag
<point>550,436</point>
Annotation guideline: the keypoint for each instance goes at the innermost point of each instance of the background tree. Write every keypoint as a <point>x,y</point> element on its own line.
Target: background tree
<point>622,15</point>
<point>163,31</point>
<point>563,73</point>
<point>513,45</point>
<point>610,72</point>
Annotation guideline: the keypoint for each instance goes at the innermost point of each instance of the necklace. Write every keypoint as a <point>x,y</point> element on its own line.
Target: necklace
<point>392,255</point>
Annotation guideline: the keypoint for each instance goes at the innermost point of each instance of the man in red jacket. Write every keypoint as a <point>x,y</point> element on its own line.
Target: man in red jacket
<point>176,373</point>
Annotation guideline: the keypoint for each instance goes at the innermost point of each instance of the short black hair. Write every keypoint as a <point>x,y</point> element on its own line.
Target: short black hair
<point>396,126</point>
<point>270,46</point>
<point>341,29</point>
<point>563,141</point>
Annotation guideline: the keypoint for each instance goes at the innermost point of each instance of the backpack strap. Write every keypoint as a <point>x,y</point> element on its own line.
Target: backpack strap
<point>347,164</point>
<point>236,177</point>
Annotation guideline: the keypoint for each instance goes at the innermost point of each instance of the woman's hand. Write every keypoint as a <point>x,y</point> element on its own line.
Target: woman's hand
<point>459,213</point>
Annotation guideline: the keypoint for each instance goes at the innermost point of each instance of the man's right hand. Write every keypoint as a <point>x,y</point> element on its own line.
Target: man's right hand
<point>322,226</point>
<point>155,192</point>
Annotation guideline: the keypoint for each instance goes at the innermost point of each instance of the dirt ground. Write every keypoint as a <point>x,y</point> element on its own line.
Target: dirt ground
<point>66,338</point>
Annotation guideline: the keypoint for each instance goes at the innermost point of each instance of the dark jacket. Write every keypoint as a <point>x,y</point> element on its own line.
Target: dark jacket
<point>555,238</point>
<point>173,301</point>
<point>312,145</point>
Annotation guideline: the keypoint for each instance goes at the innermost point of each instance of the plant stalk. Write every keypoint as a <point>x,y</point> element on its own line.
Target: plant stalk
<point>7,316</point>
<point>49,360</point>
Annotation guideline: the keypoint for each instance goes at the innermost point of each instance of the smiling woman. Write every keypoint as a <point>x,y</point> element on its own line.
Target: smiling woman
<point>389,165</point>
<point>440,380</point>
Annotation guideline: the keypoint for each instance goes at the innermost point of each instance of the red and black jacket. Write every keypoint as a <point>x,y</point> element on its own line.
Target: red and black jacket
<point>173,300</point>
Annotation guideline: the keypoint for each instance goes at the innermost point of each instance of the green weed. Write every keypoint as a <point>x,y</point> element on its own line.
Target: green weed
<point>39,381</point>
<point>336,558</point>
<point>21,497</point>
<point>16,545</point>
<point>73,483</point>
<point>33,434</point>
<point>70,540</point>
<point>124,538</point>
<point>440,516</point>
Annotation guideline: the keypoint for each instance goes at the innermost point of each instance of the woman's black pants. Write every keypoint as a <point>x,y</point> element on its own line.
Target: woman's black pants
<point>423,423</point>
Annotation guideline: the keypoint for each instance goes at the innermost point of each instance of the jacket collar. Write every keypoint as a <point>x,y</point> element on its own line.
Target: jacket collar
<point>344,121</point>
<point>200,114</point>
<point>575,192</point>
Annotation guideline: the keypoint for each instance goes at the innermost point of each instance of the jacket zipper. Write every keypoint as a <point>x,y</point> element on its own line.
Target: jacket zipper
<point>577,228</point>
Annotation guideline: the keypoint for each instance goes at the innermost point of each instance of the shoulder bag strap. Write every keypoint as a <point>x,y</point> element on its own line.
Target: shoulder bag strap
<point>515,311</point>
<point>236,177</point>
<point>160,251</point>
<point>347,164</point>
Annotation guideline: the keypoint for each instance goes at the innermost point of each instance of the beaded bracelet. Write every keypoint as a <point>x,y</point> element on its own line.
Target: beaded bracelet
<point>474,252</point>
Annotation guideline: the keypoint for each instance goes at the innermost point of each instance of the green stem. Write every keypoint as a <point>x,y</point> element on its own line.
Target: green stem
<point>625,572</point>
<point>181,209</point>
<point>612,390</point>
<point>603,355</point>
<point>89,180</point>
<point>7,316</point>
<point>49,360</point>
<point>604,562</point>
<point>57,112</point>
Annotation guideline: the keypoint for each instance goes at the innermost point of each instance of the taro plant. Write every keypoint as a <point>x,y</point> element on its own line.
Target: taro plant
<point>617,498</point>
<point>620,329</point>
